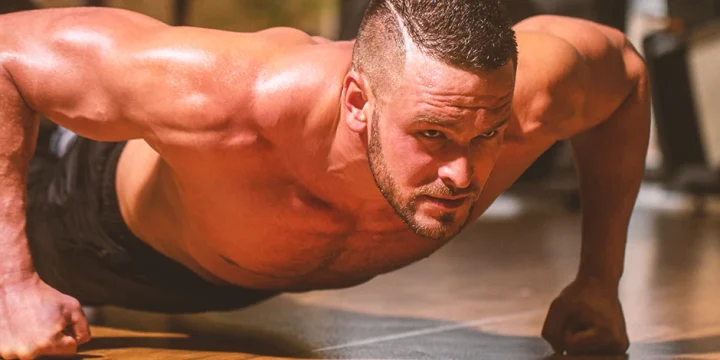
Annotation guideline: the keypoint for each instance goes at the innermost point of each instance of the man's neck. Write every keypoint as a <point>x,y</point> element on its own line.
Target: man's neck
<point>348,165</point>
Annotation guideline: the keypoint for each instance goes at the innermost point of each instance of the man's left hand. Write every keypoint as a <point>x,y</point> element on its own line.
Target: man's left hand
<point>587,319</point>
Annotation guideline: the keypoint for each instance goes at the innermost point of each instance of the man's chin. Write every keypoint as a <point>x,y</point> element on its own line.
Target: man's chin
<point>436,229</point>
<point>436,233</point>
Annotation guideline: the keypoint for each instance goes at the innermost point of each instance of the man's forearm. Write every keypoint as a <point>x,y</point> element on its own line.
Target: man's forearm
<point>611,162</point>
<point>18,128</point>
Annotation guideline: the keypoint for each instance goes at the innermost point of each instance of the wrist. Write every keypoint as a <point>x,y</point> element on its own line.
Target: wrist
<point>14,276</point>
<point>605,281</point>
<point>606,268</point>
<point>17,263</point>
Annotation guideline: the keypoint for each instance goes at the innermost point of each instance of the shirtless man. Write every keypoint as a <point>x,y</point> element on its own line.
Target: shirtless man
<point>276,162</point>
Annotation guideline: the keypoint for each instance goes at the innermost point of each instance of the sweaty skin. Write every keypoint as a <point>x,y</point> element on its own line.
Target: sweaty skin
<point>247,159</point>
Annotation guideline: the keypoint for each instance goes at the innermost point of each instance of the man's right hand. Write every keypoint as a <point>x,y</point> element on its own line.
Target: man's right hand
<point>37,320</point>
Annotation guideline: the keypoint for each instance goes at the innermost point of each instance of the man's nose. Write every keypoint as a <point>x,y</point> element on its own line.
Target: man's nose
<point>457,173</point>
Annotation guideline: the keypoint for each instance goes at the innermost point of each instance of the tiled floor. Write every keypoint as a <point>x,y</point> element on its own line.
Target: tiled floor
<point>484,296</point>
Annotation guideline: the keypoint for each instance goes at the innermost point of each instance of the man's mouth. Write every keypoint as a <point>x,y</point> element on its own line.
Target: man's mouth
<point>446,203</point>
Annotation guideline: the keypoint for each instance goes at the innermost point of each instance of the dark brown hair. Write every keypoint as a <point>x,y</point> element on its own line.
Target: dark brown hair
<point>473,35</point>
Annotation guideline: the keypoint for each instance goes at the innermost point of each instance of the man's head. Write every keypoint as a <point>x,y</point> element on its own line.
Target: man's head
<point>430,90</point>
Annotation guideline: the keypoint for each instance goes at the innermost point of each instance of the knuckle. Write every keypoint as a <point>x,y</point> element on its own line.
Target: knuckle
<point>545,332</point>
<point>73,303</point>
<point>28,355</point>
<point>549,338</point>
<point>624,345</point>
<point>59,326</point>
<point>42,345</point>
<point>14,353</point>
<point>84,338</point>
<point>549,332</point>
<point>68,343</point>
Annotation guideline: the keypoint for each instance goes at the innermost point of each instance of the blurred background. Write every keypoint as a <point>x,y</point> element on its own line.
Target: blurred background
<point>680,40</point>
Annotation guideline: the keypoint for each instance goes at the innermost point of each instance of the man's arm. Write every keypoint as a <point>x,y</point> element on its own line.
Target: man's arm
<point>611,160</point>
<point>609,137</point>
<point>609,141</point>
<point>17,128</point>
<point>111,74</point>
<point>108,75</point>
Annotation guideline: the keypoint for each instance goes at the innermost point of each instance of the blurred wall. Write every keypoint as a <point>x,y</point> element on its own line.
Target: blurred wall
<point>316,17</point>
<point>693,12</point>
<point>8,6</point>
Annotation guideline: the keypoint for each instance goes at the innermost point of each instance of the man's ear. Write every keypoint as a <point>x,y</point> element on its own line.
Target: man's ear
<point>356,100</point>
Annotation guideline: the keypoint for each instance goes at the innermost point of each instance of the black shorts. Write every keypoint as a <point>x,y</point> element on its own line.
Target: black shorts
<point>82,247</point>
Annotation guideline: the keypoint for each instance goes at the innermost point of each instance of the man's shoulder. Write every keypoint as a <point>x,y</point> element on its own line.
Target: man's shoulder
<point>580,66</point>
<point>301,89</point>
<point>244,82</point>
<point>560,51</point>
<point>283,104</point>
<point>551,82</point>
<point>286,99</point>
<point>588,37</point>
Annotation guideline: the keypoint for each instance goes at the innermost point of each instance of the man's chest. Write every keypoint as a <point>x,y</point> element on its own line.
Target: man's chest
<point>282,237</point>
<point>265,228</point>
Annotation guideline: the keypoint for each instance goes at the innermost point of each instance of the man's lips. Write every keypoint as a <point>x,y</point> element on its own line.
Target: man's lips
<point>447,203</point>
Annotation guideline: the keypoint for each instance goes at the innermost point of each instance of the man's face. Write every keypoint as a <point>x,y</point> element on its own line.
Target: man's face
<point>434,141</point>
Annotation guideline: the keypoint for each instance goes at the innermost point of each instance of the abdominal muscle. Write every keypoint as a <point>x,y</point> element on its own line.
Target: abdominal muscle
<point>272,236</point>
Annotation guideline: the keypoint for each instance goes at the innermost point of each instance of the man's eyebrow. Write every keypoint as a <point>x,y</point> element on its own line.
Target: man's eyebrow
<point>506,101</point>
<point>450,124</point>
<point>453,124</point>
<point>501,122</point>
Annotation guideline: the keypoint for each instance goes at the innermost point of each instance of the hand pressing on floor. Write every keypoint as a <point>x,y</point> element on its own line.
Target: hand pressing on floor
<point>587,319</point>
<point>37,320</point>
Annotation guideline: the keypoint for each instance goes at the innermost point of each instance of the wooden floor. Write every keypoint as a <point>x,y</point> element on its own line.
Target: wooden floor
<point>484,296</point>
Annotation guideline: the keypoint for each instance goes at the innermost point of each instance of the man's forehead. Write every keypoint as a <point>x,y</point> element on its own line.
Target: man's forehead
<point>449,112</point>
<point>455,107</point>
<point>446,83</point>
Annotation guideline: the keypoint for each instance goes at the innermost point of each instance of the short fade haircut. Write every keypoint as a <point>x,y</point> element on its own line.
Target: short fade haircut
<point>472,35</point>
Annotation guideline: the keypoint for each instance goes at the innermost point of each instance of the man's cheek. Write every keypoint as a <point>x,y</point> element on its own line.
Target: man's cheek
<point>419,167</point>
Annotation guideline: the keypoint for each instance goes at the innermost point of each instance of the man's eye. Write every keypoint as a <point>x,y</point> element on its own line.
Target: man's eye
<point>490,134</point>
<point>432,134</point>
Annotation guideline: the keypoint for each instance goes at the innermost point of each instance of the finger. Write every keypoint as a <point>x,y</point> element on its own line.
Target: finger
<point>80,327</point>
<point>27,354</point>
<point>610,344</point>
<point>553,328</point>
<point>592,340</point>
<point>63,346</point>
<point>621,344</point>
